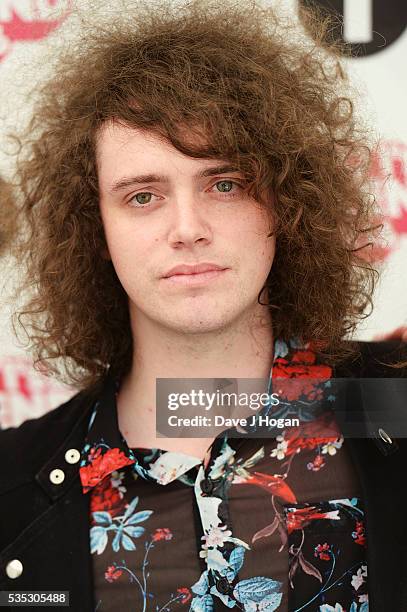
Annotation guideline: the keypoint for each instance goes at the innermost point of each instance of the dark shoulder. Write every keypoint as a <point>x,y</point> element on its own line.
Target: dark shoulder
<point>35,439</point>
<point>376,360</point>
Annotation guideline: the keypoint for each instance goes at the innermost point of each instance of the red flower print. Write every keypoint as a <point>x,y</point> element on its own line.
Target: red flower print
<point>302,356</point>
<point>186,594</point>
<point>312,434</point>
<point>94,453</point>
<point>275,485</point>
<point>284,369</point>
<point>317,464</point>
<point>106,497</point>
<point>298,371</point>
<point>101,466</point>
<point>162,534</point>
<point>112,573</point>
<point>292,389</point>
<point>298,518</point>
<point>321,551</point>
<point>359,534</point>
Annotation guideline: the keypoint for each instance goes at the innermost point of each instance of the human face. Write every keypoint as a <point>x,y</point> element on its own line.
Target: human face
<point>161,209</point>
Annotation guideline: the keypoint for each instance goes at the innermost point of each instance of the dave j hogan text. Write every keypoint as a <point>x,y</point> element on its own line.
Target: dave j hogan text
<point>221,421</point>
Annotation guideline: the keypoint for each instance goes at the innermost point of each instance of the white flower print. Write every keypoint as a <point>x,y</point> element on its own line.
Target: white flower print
<point>116,479</point>
<point>281,448</point>
<point>215,561</point>
<point>226,456</point>
<point>216,536</point>
<point>331,447</point>
<point>170,465</point>
<point>358,578</point>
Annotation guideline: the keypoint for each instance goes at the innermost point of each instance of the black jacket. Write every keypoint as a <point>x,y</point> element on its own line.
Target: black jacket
<point>45,525</point>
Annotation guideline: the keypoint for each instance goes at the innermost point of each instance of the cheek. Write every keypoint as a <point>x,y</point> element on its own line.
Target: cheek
<point>270,247</point>
<point>266,227</point>
<point>253,232</point>
<point>127,247</point>
<point>260,247</point>
<point>266,256</point>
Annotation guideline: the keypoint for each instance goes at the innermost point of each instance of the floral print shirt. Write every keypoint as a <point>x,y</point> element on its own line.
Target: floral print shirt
<point>261,524</point>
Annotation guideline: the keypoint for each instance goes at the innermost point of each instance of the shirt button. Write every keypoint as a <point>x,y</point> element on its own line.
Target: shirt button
<point>385,436</point>
<point>223,586</point>
<point>14,568</point>
<point>57,476</point>
<point>72,455</point>
<point>207,485</point>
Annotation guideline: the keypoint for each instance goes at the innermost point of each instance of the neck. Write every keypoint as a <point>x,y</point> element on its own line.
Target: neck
<point>242,350</point>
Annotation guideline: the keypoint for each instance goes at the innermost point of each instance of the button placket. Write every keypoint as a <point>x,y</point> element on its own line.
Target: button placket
<point>210,505</point>
<point>14,568</point>
<point>384,436</point>
<point>384,442</point>
<point>207,486</point>
<point>57,476</point>
<point>72,456</point>
<point>223,585</point>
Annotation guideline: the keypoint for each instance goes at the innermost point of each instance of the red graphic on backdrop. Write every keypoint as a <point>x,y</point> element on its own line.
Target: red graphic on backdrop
<point>388,171</point>
<point>26,394</point>
<point>29,20</point>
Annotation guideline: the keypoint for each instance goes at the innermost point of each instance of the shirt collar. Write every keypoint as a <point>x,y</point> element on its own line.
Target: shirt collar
<point>105,450</point>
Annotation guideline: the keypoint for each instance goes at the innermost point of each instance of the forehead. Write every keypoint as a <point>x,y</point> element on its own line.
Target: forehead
<point>121,149</point>
<point>120,134</point>
<point>115,138</point>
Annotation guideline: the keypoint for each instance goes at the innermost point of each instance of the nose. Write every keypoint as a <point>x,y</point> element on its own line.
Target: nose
<point>189,221</point>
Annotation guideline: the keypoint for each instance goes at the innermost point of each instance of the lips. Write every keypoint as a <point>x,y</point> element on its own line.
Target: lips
<point>186,269</point>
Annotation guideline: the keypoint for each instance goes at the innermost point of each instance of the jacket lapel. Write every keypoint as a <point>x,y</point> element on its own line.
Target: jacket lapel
<point>54,551</point>
<point>384,494</point>
<point>381,472</point>
<point>54,546</point>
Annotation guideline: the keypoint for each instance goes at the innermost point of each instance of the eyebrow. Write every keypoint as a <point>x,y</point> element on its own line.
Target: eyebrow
<point>129,181</point>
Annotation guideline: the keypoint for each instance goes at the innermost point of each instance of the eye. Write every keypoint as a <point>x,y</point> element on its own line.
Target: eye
<point>226,186</point>
<point>142,198</point>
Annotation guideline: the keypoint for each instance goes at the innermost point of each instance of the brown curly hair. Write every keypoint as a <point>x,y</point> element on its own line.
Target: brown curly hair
<point>8,217</point>
<point>269,100</point>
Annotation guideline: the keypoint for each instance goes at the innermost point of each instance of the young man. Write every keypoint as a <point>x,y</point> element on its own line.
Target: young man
<point>193,199</point>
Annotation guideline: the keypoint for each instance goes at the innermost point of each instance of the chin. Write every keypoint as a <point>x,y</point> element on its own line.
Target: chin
<point>194,323</point>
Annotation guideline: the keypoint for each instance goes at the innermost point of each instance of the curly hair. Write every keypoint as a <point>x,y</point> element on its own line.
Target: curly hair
<point>266,98</point>
<point>8,217</point>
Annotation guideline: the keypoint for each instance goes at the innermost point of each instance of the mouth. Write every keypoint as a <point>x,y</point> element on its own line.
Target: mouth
<point>194,279</point>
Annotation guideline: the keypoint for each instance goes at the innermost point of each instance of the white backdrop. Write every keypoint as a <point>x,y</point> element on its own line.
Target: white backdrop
<point>26,27</point>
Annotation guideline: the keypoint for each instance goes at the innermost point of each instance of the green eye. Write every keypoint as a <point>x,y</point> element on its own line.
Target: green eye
<point>143,197</point>
<point>225,186</point>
